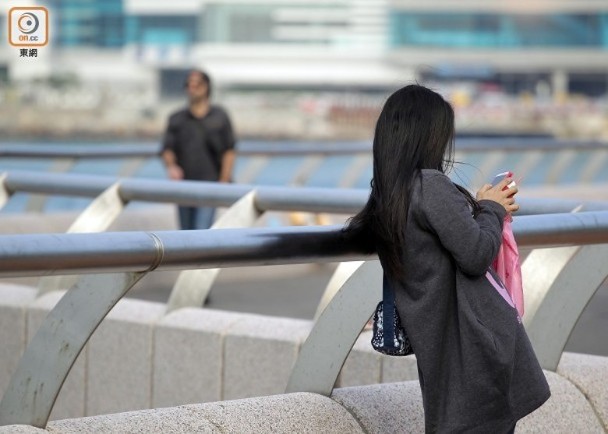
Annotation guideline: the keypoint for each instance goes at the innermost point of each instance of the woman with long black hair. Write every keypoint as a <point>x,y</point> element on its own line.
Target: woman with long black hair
<point>478,372</point>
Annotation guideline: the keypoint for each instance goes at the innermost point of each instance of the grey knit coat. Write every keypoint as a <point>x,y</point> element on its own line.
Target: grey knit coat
<point>478,371</point>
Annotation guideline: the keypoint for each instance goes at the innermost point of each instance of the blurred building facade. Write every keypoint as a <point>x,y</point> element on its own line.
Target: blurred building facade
<point>320,43</point>
<point>315,68</point>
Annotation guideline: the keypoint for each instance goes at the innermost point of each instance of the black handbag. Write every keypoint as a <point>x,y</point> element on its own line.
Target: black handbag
<point>389,336</point>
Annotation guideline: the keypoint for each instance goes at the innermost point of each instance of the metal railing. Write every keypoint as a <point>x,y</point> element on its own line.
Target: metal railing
<point>124,258</point>
<point>246,204</point>
<point>192,193</point>
<point>487,156</point>
<point>200,193</point>
<point>59,254</point>
<point>147,150</point>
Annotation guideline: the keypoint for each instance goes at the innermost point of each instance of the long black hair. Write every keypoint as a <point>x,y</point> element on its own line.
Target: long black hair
<point>415,131</point>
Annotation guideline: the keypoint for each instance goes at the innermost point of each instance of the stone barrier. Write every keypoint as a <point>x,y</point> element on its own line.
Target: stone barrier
<point>199,359</point>
<point>372,409</point>
<point>139,358</point>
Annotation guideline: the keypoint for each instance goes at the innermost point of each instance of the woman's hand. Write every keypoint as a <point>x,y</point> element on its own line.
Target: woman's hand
<point>504,197</point>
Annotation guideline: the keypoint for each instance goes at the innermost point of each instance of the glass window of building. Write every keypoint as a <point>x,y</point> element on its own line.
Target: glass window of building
<point>468,30</point>
<point>162,30</point>
<point>98,23</point>
<point>238,23</point>
<point>274,23</point>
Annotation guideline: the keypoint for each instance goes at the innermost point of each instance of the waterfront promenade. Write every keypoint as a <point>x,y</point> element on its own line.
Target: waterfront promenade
<point>261,310</point>
<point>123,369</point>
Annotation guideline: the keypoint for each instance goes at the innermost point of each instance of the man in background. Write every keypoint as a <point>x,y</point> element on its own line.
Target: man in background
<point>199,145</point>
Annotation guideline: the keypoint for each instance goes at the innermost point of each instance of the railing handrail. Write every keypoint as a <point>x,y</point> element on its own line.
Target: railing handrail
<point>148,150</point>
<point>58,254</point>
<point>83,253</point>
<point>126,257</point>
<point>312,199</point>
<point>268,198</point>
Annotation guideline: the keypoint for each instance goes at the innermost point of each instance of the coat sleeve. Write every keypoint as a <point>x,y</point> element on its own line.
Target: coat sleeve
<point>473,242</point>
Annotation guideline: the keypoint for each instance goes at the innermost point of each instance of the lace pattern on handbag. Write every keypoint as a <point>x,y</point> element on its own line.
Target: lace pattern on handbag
<point>389,336</point>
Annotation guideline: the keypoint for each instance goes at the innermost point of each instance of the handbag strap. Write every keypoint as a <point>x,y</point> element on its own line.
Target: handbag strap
<point>388,307</point>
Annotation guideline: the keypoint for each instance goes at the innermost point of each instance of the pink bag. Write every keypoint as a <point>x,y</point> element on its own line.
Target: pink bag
<point>508,268</point>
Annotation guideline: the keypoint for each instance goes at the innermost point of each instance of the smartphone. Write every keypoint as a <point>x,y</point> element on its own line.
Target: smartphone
<point>501,176</point>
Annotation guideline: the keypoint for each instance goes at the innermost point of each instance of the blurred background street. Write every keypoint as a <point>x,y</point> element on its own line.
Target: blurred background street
<point>114,69</point>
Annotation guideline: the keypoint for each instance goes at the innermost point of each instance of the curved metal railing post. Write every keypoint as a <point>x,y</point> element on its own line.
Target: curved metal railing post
<point>36,202</point>
<point>488,165</point>
<point>342,273</point>
<point>31,394</point>
<point>559,283</point>
<point>5,194</point>
<point>559,165</point>
<point>192,286</point>
<point>355,170</point>
<point>101,213</point>
<point>305,169</point>
<point>527,163</point>
<point>97,217</point>
<point>336,330</point>
<point>130,166</point>
<point>593,168</point>
<point>252,169</point>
